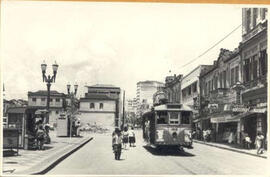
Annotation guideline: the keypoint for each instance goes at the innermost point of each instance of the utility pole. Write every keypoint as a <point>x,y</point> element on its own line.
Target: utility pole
<point>123,122</point>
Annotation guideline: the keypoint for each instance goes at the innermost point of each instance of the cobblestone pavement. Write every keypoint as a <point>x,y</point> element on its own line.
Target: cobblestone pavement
<point>96,158</point>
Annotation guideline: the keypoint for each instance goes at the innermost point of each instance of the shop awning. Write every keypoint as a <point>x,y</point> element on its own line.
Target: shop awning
<point>224,118</point>
<point>16,110</point>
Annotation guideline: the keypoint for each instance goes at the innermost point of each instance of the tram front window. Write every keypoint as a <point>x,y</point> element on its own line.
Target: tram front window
<point>185,118</point>
<point>162,117</point>
<point>174,117</point>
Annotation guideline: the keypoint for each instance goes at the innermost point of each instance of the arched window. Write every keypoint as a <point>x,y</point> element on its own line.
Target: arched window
<point>92,106</point>
<point>100,105</point>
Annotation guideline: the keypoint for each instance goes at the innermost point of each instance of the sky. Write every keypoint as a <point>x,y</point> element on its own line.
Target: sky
<point>108,43</point>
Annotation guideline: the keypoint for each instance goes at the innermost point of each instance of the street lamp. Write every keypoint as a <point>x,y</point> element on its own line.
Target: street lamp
<point>72,96</point>
<point>48,79</point>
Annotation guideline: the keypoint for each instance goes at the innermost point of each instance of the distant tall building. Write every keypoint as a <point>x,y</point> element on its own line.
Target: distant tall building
<point>145,92</point>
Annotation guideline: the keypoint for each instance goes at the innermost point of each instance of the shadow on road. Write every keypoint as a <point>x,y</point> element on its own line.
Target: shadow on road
<point>168,152</point>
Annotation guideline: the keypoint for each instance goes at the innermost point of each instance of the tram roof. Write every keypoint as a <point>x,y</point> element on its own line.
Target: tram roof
<point>172,107</point>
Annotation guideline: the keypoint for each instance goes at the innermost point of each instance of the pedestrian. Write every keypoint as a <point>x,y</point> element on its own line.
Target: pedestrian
<point>125,137</point>
<point>247,142</point>
<point>131,137</point>
<point>259,142</point>
<point>117,143</point>
<point>205,135</point>
<point>40,136</point>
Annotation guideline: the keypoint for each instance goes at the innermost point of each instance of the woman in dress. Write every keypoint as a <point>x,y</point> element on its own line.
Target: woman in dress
<point>131,137</point>
<point>125,137</point>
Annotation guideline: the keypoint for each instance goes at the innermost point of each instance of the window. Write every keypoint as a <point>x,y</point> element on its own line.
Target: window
<point>195,87</point>
<point>263,13</point>
<point>208,89</point>
<point>34,99</point>
<point>263,62</point>
<point>92,105</point>
<point>185,117</point>
<point>254,67</point>
<point>224,79</point>
<point>255,16</point>
<point>43,99</point>
<point>162,117</point>
<point>246,70</point>
<point>212,84</point>
<point>232,76</point>
<point>248,20</point>
<point>56,112</point>
<point>189,90</point>
<point>57,99</point>
<point>216,82</point>
<point>236,73</point>
<point>100,105</point>
<point>51,100</point>
<point>220,80</point>
<point>174,117</point>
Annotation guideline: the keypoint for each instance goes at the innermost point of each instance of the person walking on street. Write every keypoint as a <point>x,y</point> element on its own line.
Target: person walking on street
<point>131,137</point>
<point>259,143</point>
<point>125,137</point>
<point>40,137</point>
<point>117,143</point>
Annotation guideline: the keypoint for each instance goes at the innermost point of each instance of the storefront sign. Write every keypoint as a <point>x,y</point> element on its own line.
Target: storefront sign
<point>240,108</point>
<point>258,110</point>
<point>224,119</point>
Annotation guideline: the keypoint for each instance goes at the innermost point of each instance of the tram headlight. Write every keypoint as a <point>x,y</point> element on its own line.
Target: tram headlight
<point>159,134</point>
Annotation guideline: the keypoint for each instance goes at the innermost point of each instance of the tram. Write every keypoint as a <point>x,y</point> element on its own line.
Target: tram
<point>168,125</point>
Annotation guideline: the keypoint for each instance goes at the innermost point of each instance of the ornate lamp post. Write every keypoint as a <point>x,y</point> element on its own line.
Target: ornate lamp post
<point>48,79</point>
<point>72,96</point>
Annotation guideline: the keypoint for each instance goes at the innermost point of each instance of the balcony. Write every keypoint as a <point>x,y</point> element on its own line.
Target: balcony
<point>260,81</point>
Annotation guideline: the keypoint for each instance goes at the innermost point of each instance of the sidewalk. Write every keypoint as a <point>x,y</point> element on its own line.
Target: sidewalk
<point>234,148</point>
<point>38,161</point>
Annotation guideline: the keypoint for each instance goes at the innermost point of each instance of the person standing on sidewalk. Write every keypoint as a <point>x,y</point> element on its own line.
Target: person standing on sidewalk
<point>259,143</point>
<point>40,137</point>
<point>117,143</point>
<point>131,137</point>
<point>125,137</point>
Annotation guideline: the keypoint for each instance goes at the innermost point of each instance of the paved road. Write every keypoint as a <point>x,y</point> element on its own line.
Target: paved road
<point>97,158</point>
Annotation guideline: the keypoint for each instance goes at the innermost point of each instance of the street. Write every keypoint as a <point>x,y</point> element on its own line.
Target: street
<point>96,158</point>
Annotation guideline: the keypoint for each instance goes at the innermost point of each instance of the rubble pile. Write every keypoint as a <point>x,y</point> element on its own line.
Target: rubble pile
<point>94,128</point>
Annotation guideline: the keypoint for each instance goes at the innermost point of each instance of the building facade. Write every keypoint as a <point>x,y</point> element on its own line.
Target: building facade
<point>39,100</point>
<point>190,90</point>
<point>101,105</point>
<point>254,55</point>
<point>219,95</point>
<point>173,88</point>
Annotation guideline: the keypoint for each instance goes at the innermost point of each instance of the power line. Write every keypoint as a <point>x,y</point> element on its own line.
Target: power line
<point>211,47</point>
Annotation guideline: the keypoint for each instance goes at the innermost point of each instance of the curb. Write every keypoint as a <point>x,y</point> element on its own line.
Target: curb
<point>47,167</point>
<point>56,162</point>
<point>234,150</point>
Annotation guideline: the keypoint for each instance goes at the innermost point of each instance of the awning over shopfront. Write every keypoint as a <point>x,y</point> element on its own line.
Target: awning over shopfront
<point>224,119</point>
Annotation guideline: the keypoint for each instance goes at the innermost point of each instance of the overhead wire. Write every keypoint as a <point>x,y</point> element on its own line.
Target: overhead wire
<point>196,58</point>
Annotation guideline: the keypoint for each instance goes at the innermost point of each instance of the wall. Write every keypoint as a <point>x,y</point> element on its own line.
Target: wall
<point>108,105</point>
<point>38,101</point>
